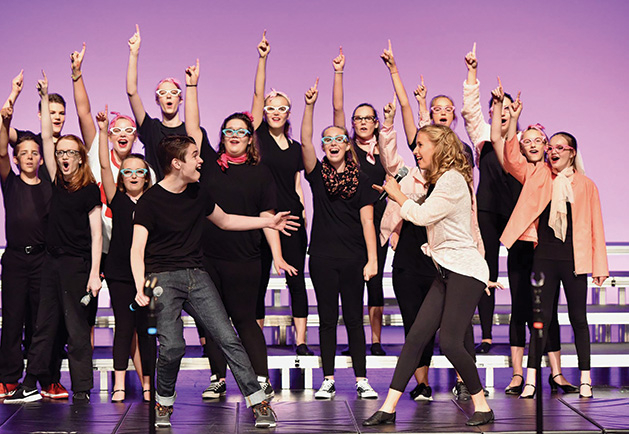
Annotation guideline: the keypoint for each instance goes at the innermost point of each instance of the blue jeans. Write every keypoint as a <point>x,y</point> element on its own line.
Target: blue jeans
<point>193,291</point>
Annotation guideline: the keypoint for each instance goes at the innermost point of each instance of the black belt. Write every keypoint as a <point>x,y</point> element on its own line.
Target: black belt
<point>29,250</point>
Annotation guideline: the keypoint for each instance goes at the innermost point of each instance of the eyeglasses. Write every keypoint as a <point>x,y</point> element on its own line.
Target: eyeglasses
<point>69,152</point>
<point>164,92</point>
<point>118,130</point>
<point>359,119</point>
<point>228,132</point>
<point>328,140</point>
<point>558,148</point>
<point>536,140</point>
<point>440,108</point>
<point>140,173</point>
<point>272,109</point>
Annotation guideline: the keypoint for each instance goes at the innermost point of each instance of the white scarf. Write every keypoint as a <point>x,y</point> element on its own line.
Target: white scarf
<point>562,194</point>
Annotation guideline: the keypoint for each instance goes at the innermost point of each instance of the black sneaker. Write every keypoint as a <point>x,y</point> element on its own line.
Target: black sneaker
<point>22,394</point>
<point>81,398</point>
<point>266,388</point>
<point>264,415</point>
<point>215,390</point>
<point>422,392</point>
<point>461,392</point>
<point>162,415</point>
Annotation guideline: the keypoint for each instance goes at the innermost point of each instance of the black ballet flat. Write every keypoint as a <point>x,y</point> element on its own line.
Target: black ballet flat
<point>480,418</point>
<point>380,418</point>
<point>566,388</point>
<point>483,348</point>
<point>515,390</point>
<point>590,396</point>
<point>532,395</point>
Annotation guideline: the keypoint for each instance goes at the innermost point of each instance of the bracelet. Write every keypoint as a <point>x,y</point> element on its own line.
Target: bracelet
<point>76,77</point>
<point>338,72</point>
<point>191,85</point>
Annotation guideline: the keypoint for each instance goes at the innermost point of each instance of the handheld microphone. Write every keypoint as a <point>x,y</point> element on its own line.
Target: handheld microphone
<point>537,282</point>
<point>85,300</point>
<point>150,290</point>
<point>401,173</point>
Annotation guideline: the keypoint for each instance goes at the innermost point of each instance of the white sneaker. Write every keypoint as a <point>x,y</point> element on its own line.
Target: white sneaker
<point>327,390</point>
<point>364,390</point>
<point>266,387</point>
<point>215,390</point>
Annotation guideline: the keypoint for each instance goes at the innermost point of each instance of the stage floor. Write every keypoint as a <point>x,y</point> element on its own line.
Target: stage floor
<point>298,412</point>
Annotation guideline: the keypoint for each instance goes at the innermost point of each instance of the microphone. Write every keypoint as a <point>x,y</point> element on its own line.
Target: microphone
<point>398,177</point>
<point>150,290</point>
<point>85,300</point>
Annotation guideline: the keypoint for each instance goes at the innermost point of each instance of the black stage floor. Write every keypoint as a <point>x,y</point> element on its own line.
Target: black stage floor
<point>298,412</point>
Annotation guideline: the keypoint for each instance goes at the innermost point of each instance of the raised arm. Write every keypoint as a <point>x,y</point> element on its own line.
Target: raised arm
<point>46,128</point>
<point>81,100</point>
<point>369,234</point>
<point>107,176</point>
<point>5,164</point>
<point>477,129</point>
<point>387,142</point>
<point>514,162</point>
<point>337,90</point>
<point>257,106</point>
<point>16,88</point>
<point>472,64</point>
<point>191,104</point>
<point>498,143</point>
<point>307,147</point>
<point>132,78</point>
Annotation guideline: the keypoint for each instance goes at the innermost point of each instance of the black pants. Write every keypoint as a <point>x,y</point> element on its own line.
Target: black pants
<point>294,253</point>
<point>520,265</point>
<point>410,289</point>
<point>64,280</point>
<point>122,294</point>
<point>449,306</point>
<point>375,291</point>
<point>331,277</point>
<point>575,288</point>
<point>238,284</point>
<point>491,227</point>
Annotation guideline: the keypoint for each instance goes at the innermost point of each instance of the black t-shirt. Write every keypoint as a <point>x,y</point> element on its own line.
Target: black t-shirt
<point>69,225</point>
<point>242,189</point>
<point>151,132</point>
<point>283,164</point>
<point>26,209</point>
<point>376,174</point>
<point>549,246</point>
<point>336,228</point>
<point>43,170</point>
<point>118,263</point>
<point>497,191</point>
<point>175,224</point>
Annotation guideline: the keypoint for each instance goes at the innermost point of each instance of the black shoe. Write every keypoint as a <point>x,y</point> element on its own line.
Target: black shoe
<point>566,388</point>
<point>422,393</point>
<point>380,418</point>
<point>264,415</point>
<point>480,418</point>
<point>266,387</point>
<point>591,395</point>
<point>22,395</point>
<point>345,352</point>
<point>483,348</point>
<point>81,398</point>
<point>303,350</point>
<point>461,392</point>
<point>531,395</point>
<point>377,350</point>
<point>515,390</point>
<point>162,415</point>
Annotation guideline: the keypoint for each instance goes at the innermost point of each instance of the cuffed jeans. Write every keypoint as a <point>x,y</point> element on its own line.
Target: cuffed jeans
<point>192,290</point>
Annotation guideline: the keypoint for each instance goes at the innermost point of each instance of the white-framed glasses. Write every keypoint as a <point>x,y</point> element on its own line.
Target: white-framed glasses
<point>164,92</point>
<point>442,108</point>
<point>118,130</point>
<point>279,109</point>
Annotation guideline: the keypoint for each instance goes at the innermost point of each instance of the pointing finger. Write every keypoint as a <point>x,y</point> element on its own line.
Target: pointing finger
<point>389,45</point>
<point>316,83</point>
<point>499,82</point>
<point>137,29</point>
<point>474,49</point>
<point>422,79</point>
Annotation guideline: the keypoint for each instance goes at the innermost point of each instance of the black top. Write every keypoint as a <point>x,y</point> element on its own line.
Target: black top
<point>151,132</point>
<point>118,263</point>
<point>497,191</point>
<point>549,246</point>
<point>26,209</point>
<point>175,224</point>
<point>69,225</point>
<point>336,228</point>
<point>242,189</point>
<point>283,164</point>
<point>376,174</point>
<point>43,170</point>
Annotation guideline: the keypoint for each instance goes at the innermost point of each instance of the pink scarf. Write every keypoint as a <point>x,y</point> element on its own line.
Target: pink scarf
<point>371,143</point>
<point>225,159</point>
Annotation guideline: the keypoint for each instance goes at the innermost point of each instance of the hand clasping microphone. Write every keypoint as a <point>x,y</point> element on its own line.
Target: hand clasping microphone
<point>150,290</point>
<point>401,173</point>
<point>85,300</point>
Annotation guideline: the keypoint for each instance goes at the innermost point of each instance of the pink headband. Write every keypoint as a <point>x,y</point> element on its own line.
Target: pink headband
<point>249,115</point>
<point>275,93</point>
<point>538,127</point>
<point>119,116</point>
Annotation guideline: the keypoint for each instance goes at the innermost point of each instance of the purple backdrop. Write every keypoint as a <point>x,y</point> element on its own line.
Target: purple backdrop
<point>568,58</point>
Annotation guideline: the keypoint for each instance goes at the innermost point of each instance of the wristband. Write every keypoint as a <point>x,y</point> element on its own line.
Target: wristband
<point>76,77</point>
<point>338,72</point>
<point>191,85</point>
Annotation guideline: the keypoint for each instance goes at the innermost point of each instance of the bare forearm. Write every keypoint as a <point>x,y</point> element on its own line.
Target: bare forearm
<point>337,100</point>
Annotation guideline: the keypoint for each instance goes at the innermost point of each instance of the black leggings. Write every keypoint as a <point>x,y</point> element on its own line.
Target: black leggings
<point>122,294</point>
<point>330,278</point>
<point>575,288</point>
<point>449,306</point>
<point>238,283</point>
<point>294,253</point>
<point>491,227</point>
<point>375,291</point>
<point>520,265</point>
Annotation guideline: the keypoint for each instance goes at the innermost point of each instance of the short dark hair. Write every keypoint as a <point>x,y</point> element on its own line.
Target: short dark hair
<point>53,97</point>
<point>172,147</point>
<point>376,131</point>
<point>25,138</point>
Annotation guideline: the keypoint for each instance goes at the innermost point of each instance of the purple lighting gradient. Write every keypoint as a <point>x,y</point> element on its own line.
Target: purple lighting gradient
<point>568,58</point>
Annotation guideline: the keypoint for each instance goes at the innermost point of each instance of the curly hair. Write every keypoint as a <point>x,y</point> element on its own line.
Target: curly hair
<point>448,153</point>
<point>253,154</point>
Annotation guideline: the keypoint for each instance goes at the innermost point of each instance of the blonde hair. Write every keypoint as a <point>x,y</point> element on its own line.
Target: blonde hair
<point>448,153</point>
<point>352,152</point>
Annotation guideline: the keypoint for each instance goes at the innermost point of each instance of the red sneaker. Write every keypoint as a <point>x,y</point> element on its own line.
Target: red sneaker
<point>55,391</point>
<point>6,389</point>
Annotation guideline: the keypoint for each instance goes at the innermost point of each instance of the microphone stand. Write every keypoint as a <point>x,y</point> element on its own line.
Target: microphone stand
<point>538,334</point>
